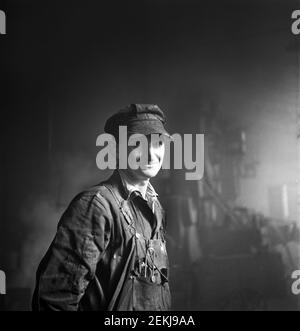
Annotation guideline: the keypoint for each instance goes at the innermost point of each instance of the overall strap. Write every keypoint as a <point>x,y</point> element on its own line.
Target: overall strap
<point>128,265</point>
<point>123,205</point>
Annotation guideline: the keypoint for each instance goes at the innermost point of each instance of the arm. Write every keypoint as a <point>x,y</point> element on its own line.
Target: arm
<point>82,236</point>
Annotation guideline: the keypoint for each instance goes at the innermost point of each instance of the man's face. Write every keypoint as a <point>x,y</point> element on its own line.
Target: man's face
<point>154,153</point>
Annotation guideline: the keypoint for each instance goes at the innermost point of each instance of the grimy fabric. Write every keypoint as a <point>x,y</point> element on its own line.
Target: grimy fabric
<point>109,253</point>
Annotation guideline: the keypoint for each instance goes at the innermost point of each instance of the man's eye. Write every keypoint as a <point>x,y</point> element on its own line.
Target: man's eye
<point>157,143</point>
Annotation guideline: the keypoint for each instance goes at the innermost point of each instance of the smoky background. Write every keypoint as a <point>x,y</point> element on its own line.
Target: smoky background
<point>227,69</point>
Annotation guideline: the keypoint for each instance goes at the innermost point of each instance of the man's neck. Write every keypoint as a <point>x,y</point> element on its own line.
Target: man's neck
<point>140,185</point>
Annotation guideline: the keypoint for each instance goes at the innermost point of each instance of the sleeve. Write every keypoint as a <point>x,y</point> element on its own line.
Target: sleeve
<point>70,264</point>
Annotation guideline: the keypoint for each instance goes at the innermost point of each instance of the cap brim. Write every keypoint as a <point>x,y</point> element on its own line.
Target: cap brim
<point>147,127</point>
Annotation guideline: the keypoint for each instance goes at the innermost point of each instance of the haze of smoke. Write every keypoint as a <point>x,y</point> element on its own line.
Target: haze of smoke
<point>41,214</point>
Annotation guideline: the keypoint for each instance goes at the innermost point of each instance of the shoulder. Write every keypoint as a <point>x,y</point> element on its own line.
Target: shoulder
<point>88,209</point>
<point>97,197</point>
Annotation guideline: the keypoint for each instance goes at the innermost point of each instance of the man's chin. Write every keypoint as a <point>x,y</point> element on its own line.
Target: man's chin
<point>149,172</point>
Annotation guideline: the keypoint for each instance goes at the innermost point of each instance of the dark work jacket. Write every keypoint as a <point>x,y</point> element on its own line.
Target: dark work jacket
<point>93,252</point>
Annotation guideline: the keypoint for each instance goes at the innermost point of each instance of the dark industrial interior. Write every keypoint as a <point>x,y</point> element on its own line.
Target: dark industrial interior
<point>226,69</point>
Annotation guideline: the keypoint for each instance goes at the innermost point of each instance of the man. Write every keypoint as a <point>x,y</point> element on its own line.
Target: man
<point>109,251</point>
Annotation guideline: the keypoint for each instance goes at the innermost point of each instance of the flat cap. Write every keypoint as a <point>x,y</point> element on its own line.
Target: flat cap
<point>139,118</point>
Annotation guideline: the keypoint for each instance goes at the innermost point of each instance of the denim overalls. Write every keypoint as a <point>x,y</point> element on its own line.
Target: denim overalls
<point>145,285</point>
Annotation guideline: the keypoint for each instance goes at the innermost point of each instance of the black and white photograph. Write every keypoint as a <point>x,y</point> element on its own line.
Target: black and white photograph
<point>150,157</point>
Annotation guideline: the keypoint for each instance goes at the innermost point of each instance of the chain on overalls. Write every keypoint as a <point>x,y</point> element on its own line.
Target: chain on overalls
<point>146,286</point>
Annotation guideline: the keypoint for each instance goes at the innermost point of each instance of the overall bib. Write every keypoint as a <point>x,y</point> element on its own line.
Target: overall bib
<point>145,285</point>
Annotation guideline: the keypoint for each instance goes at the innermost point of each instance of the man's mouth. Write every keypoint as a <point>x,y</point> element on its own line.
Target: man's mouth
<point>151,165</point>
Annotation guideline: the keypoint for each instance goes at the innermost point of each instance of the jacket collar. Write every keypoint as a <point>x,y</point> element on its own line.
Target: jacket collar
<point>127,191</point>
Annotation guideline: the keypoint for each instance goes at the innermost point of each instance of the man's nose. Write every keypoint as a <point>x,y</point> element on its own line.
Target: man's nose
<point>151,152</point>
